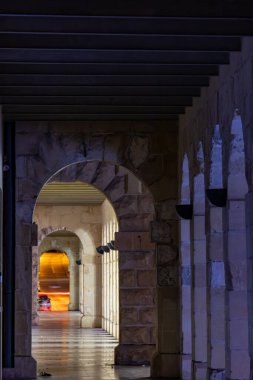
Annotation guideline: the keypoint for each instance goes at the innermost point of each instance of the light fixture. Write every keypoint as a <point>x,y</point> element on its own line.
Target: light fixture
<point>100,250</point>
<point>111,245</point>
<point>218,197</point>
<point>184,211</point>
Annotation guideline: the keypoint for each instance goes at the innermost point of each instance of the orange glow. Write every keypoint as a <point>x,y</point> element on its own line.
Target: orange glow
<point>54,279</point>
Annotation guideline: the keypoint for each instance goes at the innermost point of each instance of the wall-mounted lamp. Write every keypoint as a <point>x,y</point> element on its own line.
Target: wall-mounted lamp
<point>111,245</point>
<point>78,262</point>
<point>184,211</point>
<point>218,197</point>
<point>100,250</point>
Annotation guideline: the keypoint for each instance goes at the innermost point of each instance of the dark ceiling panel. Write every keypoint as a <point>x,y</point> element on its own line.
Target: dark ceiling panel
<point>99,100</point>
<point>103,80</point>
<point>129,25</point>
<point>110,56</point>
<point>183,8</point>
<point>117,41</point>
<point>114,60</point>
<point>100,90</point>
<point>108,69</point>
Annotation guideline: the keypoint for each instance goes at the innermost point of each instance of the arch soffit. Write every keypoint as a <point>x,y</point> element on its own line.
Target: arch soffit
<point>96,174</point>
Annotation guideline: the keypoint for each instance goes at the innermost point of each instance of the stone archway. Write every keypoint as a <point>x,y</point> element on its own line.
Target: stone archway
<point>141,153</point>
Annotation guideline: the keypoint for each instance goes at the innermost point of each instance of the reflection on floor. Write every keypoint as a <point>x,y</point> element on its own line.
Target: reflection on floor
<point>70,353</point>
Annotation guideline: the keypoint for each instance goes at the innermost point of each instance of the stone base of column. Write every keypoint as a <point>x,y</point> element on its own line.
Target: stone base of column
<point>73,307</point>
<point>216,374</point>
<point>166,366</point>
<point>25,368</point>
<point>133,354</point>
<point>91,321</point>
<point>186,365</point>
<point>200,370</point>
<point>35,319</point>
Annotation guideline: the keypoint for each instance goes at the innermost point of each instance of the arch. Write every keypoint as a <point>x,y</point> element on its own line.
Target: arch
<point>134,206</point>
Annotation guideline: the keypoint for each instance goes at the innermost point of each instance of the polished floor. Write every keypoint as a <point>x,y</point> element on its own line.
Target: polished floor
<point>67,352</point>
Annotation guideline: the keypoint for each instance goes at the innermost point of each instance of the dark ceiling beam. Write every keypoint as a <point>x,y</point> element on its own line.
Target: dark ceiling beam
<point>108,56</point>
<point>105,80</point>
<point>118,41</point>
<point>107,68</point>
<point>85,117</point>
<point>131,25</point>
<point>104,109</point>
<point>96,100</point>
<point>100,90</point>
<point>206,8</point>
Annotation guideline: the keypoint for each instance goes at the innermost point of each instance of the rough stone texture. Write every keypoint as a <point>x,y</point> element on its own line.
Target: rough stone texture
<point>81,153</point>
<point>166,253</point>
<point>226,155</point>
<point>163,232</point>
<point>128,354</point>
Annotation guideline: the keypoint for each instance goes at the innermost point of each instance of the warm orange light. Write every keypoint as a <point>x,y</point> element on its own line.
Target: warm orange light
<point>54,279</point>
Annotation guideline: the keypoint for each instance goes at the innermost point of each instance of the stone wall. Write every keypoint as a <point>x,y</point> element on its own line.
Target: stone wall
<point>148,150</point>
<point>221,120</point>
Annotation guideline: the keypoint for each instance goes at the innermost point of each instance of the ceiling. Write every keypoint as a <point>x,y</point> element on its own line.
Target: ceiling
<point>70,193</point>
<point>97,60</point>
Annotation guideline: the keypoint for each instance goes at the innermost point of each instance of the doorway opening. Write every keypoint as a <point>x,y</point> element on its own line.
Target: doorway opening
<point>53,281</point>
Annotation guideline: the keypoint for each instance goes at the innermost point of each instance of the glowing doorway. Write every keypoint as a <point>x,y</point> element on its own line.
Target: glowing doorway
<point>54,279</point>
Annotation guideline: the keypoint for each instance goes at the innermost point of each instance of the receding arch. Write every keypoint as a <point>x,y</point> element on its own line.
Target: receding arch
<point>53,148</point>
<point>133,210</point>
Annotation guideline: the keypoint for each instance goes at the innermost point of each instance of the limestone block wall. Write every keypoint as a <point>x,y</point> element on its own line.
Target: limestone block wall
<point>221,120</point>
<point>94,152</point>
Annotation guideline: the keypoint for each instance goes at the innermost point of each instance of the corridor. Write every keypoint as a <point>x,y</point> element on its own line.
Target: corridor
<point>65,351</point>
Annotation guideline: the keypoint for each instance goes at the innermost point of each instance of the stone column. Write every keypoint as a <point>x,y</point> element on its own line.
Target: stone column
<point>166,361</point>
<point>199,282</point>
<point>249,225</point>
<point>237,354</point>
<point>216,295</point>
<point>73,286</point>
<point>186,325</point>
<point>35,273</point>
<point>137,298</point>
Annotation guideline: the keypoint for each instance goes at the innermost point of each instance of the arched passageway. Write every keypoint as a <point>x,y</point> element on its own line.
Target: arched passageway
<point>54,279</point>
<point>144,204</point>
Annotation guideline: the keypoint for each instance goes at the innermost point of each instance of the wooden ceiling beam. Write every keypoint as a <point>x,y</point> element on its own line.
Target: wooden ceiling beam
<point>107,68</point>
<point>33,40</point>
<point>103,80</point>
<point>187,26</point>
<point>206,8</point>
<point>112,56</point>
<point>100,90</point>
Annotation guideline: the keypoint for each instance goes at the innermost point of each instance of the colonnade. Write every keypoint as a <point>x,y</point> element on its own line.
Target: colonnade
<point>110,282</point>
